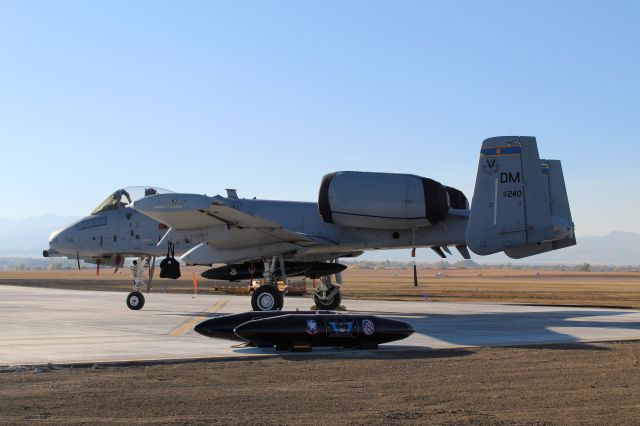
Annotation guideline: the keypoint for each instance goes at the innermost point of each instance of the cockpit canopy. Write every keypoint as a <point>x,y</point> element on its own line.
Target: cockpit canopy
<point>127,196</point>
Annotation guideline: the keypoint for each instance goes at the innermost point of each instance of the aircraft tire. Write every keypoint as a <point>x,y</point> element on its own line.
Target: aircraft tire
<point>328,305</point>
<point>135,301</point>
<point>267,298</point>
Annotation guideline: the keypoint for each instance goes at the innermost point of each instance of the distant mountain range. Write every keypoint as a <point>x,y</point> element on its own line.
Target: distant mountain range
<point>615,248</point>
<point>28,237</point>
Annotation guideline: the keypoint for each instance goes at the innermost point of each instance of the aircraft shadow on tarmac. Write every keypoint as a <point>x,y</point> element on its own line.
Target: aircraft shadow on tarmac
<point>518,328</point>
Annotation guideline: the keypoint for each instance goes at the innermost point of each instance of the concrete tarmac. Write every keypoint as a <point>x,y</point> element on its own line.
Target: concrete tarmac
<point>39,326</point>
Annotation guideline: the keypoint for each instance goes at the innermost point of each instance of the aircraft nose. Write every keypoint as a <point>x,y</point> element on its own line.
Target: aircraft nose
<point>55,238</point>
<point>55,243</point>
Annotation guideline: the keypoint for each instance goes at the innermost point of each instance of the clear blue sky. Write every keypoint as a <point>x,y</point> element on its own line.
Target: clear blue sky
<point>268,96</point>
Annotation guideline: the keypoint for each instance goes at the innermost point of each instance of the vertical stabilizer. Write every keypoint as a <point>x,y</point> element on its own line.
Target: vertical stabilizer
<point>558,208</point>
<point>512,208</point>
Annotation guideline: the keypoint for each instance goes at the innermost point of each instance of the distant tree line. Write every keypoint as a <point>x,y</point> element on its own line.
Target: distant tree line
<point>35,264</point>
<point>470,264</point>
<point>59,264</point>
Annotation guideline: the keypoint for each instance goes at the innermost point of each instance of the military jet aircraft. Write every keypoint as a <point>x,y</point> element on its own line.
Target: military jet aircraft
<point>519,206</point>
<point>112,232</point>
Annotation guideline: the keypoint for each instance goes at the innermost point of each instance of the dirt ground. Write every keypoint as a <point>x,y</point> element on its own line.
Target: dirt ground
<point>552,384</point>
<point>577,384</point>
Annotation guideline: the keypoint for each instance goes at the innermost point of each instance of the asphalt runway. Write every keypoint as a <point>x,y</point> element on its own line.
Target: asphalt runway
<point>39,326</point>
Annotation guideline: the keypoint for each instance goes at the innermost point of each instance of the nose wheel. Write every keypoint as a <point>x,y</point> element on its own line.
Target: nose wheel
<point>135,301</point>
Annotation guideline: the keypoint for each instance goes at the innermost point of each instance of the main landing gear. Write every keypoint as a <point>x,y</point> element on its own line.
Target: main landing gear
<point>268,297</point>
<point>328,296</point>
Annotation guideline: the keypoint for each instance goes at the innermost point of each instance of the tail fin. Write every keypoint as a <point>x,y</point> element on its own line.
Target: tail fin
<point>520,203</point>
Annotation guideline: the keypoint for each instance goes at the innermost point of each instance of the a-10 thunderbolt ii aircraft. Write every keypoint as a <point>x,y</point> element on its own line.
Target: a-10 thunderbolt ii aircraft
<point>519,206</point>
<point>112,232</point>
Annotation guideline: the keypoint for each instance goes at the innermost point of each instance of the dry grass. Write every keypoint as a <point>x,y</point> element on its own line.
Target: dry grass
<point>620,289</point>
<point>498,285</point>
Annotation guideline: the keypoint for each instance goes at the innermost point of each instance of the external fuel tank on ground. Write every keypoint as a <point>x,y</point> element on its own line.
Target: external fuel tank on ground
<point>298,331</point>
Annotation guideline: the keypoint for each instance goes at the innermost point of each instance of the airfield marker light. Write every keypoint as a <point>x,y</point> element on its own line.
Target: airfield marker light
<point>195,285</point>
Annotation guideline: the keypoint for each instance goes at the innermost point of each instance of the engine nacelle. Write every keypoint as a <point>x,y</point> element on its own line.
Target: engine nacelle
<point>457,199</point>
<point>381,200</point>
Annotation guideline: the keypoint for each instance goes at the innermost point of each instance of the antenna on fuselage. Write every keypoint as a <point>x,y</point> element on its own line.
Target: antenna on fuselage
<point>232,193</point>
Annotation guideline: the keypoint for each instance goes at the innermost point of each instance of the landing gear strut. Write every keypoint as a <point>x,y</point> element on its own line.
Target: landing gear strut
<point>135,299</point>
<point>268,297</point>
<point>328,296</point>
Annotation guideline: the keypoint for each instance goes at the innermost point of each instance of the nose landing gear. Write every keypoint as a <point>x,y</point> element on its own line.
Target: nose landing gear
<point>135,299</point>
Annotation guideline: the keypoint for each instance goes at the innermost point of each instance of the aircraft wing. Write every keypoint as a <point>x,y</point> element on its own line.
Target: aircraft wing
<point>237,234</point>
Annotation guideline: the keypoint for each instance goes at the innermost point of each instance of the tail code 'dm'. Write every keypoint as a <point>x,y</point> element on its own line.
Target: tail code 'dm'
<point>508,177</point>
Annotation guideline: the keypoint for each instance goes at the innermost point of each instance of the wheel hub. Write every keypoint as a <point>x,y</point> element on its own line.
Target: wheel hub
<point>266,302</point>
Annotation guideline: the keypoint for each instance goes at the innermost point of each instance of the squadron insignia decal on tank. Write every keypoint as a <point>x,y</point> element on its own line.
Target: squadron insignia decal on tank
<point>312,327</point>
<point>341,328</point>
<point>367,327</point>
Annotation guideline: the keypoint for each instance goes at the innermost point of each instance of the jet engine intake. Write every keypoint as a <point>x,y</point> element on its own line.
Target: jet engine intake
<point>381,200</point>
